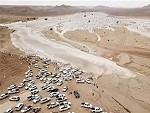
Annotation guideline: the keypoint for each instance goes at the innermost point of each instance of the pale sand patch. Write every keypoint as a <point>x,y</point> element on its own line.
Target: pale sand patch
<point>115,42</point>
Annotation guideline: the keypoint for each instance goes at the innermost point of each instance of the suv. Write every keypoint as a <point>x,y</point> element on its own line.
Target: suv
<point>76,94</point>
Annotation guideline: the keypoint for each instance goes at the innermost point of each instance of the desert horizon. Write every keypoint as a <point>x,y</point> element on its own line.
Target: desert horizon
<point>74,58</point>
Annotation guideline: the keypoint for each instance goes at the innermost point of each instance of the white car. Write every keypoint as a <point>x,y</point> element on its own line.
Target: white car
<point>88,81</point>
<point>49,88</point>
<point>65,88</point>
<point>21,85</point>
<point>26,109</point>
<point>44,100</point>
<point>36,65</point>
<point>59,83</point>
<point>64,108</point>
<point>10,110</point>
<point>19,106</point>
<point>12,87</point>
<point>60,96</point>
<point>13,91</point>
<point>26,87</point>
<point>55,81</point>
<point>52,105</point>
<point>65,103</point>
<point>58,75</point>
<point>80,81</point>
<point>34,91</point>
<point>96,110</point>
<point>61,99</point>
<point>31,82</point>
<point>5,95</point>
<point>54,94</point>
<point>45,87</point>
<point>14,98</point>
<point>36,99</point>
<point>86,105</point>
<point>32,88</point>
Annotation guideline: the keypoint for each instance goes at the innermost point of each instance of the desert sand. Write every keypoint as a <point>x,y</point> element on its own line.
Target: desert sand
<point>117,93</point>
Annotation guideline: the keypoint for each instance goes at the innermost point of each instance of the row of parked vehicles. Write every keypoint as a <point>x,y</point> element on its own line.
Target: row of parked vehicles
<point>92,108</point>
<point>12,89</point>
<point>23,109</point>
<point>48,78</point>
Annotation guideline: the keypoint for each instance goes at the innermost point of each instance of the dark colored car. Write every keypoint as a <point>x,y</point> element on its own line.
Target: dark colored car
<point>76,94</point>
<point>54,90</point>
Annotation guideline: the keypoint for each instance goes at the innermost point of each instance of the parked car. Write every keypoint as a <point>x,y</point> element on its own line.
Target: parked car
<point>4,95</point>
<point>65,103</point>
<point>35,110</point>
<point>59,83</point>
<point>54,94</point>
<point>33,88</point>
<point>19,106</point>
<point>26,87</point>
<point>96,110</point>
<point>29,97</point>
<point>58,75</point>
<point>65,88</point>
<point>49,88</point>
<point>55,81</point>
<point>34,92</point>
<point>60,95</point>
<point>10,110</point>
<point>44,100</point>
<point>38,76</point>
<point>76,94</point>
<point>86,105</point>
<point>64,108</point>
<point>80,81</point>
<point>61,99</point>
<point>12,87</point>
<point>14,98</point>
<point>26,109</point>
<point>54,90</point>
<point>45,87</point>
<point>36,65</point>
<point>88,81</point>
<point>13,91</point>
<point>36,99</point>
<point>21,85</point>
<point>52,105</point>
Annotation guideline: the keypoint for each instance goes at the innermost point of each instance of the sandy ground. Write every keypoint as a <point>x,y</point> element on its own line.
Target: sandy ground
<point>5,41</point>
<point>12,70</point>
<point>12,18</point>
<point>129,50</point>
<point>115,94</point>
<point>122,46</point>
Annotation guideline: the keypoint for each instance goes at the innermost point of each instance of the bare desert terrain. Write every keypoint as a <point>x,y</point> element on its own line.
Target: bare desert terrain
<point>113,52</point>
